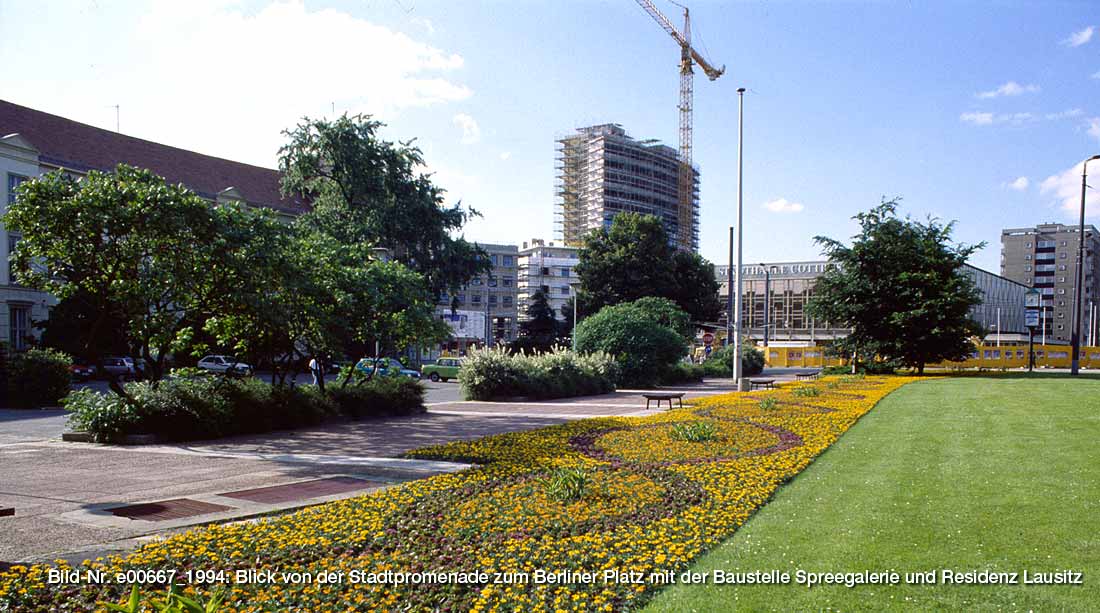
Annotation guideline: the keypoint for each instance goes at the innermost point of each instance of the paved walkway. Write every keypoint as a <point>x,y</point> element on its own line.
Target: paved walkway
<point>61,491</point>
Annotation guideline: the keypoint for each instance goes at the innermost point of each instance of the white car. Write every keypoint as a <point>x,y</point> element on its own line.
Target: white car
<point>224,364</point>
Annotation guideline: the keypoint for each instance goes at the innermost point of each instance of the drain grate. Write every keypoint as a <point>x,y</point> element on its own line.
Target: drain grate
<point>177,508</point>
<point>302,490</point>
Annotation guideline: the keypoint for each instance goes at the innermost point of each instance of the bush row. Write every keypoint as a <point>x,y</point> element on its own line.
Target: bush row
<point>190,408</point>
<point>494,373</point>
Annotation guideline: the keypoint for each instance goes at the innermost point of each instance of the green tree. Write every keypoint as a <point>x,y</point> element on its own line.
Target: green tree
<point>133,247</point>
<point>633,259</point>
<point>540,331</point>
<point>643,346</point>
<point>368,191</point>
<point>900,287</point>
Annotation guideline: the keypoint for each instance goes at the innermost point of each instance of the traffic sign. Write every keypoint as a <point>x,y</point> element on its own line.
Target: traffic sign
<point>708,339</point>
<point>1031,318</point>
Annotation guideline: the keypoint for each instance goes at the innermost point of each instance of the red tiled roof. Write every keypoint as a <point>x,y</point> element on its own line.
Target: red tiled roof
<point>80,147</point>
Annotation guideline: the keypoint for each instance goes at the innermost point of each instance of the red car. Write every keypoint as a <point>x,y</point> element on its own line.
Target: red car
<point>82,372</point>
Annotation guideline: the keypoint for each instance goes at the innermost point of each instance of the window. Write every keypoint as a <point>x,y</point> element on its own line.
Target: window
<point>565,290</point>
<point>1027,257</point>
<point>493,299</point>
<point>1062,255</point>
<point>565,272</point>
<point>1027,269</point>
<point>1062,267</point>
<point>475,299</point>
<point>545,271</point>
<point>13,182</point>
<point>545,289</point>
<point>476,281</point>
<point>507,301</point>
<point>508,261</point>
<point>506,281</point>
<point>18,320</point>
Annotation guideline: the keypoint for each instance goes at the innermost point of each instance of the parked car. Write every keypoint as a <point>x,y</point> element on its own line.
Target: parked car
<point>224,364</point>
<point>82,372</point>
<point>122,368</point>
<point>387,367</point>
<point>443,369</point>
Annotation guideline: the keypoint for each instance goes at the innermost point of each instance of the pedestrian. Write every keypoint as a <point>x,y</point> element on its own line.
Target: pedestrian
<point>316,370</point>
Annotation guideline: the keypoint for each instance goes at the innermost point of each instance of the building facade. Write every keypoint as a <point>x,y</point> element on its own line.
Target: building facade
<point>488,298</point>
<point>774,298</point>
<point>549,267</point>
<point>1045,257</point>
<point>601,171</point>
<point>33,143</point>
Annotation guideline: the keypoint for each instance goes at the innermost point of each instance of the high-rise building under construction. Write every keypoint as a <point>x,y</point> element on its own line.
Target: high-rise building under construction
<point>602,172</point>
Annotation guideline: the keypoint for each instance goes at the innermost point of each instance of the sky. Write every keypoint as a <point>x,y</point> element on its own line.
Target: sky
<point>974,112</point>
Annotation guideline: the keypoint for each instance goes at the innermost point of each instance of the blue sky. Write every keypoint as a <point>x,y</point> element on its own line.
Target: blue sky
<point>976,112</point>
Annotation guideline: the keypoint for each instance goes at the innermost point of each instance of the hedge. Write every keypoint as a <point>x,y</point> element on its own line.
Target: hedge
<point>204,407</point>
<point>495,373</point>
<point>720,364</point>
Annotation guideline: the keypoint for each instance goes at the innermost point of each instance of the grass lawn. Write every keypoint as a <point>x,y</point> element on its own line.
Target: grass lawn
<point>996,473</point>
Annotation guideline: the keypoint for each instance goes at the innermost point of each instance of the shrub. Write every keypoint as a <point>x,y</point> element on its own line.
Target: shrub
<point>768,404</point>
<point>494,373</point>
<point>567,484</point>
<point>870,368</point>
<point>695,432</point>
<point>683,372</point>
<point>720,364</point>
<point>38,378</point>
<point>643,348</point>
<point>378,397</point>
<point>196,408</point>
<point>808,391</point>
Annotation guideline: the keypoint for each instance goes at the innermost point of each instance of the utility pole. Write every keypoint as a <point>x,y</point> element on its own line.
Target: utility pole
<point>729,303</point>
<point>1078,287</point>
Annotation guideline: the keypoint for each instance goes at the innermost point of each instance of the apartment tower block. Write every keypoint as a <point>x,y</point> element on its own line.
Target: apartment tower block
<point>601,171</point>
<point>1045,257</point>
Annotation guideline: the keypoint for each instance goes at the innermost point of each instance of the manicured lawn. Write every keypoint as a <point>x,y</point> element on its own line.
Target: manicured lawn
<point>994,473</point>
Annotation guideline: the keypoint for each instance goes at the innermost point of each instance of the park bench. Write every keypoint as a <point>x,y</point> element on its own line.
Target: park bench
<point>808,376</point>
<point>664,396</point>
<point>761,383</point>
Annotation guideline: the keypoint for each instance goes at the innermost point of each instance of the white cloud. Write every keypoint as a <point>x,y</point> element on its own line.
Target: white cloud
<point>1080,37</point>
<point>471,133</point>
<point>1065,188</point>
<point>1067,114</point>
<point>1094,127</point>
<point>504,155</point>
<point>988,119</point>
<point>1020,184</point>
<point>1096,75</point>
<point>978,119</point>
<point>224,80</point>
<point>782,205</point>
<point>1011,88</point>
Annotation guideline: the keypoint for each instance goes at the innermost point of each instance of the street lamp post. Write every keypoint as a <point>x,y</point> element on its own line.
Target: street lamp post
<point>767,300</point>
<point>740,231</point>
<point>1075,341</point>
<point>490,282</point>
<point>573,335</point>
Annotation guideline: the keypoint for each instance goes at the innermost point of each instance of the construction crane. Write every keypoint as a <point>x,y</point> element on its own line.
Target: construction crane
<point>688,57</point>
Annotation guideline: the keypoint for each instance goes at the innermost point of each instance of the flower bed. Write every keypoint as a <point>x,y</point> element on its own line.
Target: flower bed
<point>646,514</point>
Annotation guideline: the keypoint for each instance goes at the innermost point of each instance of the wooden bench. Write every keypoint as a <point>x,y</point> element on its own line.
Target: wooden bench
<point>807,376</point>
<point>761,383</point>
<point>664,396</point>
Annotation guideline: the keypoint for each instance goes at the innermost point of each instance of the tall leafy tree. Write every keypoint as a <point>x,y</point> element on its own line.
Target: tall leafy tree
<point>633,259</point>
<point>131,247</point>
<point>369,191</point>
<point>900,288</point>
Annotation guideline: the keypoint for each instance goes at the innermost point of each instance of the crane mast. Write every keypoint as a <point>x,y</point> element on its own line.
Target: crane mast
<point>686,175</point>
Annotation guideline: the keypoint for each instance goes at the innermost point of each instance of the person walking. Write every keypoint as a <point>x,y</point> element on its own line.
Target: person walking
<point>316,370</point>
